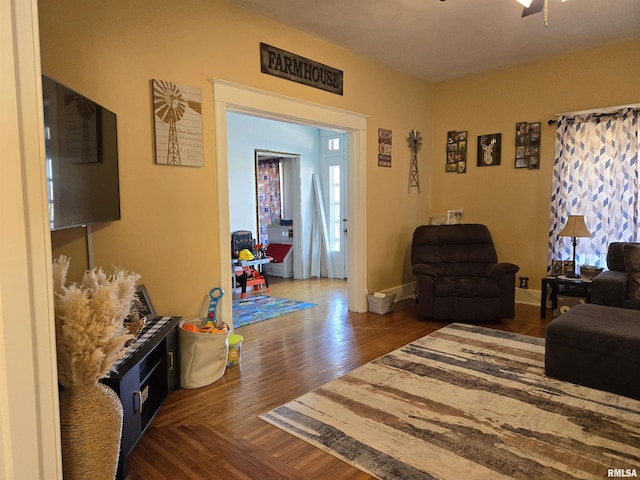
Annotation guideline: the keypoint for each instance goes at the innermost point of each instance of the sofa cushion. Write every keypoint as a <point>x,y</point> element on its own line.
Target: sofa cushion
<point>631,304</point>
<point>466,287</point>
<point>615,257</point>
<point>610,288</point>
<point>467,309</point>
<point>631,254</point>
<point>437,244</point>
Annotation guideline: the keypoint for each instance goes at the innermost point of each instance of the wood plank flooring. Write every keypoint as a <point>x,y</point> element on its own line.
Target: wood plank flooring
<point>214,432</point>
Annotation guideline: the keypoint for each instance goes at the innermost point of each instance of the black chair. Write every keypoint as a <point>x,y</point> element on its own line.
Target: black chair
<point>458,277</point>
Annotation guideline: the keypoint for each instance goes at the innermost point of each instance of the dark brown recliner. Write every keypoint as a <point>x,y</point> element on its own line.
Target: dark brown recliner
<point>458,277</point>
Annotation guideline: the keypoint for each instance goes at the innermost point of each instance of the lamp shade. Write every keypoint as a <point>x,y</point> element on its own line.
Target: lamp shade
<point>575,227</point>
<point>525,3</point>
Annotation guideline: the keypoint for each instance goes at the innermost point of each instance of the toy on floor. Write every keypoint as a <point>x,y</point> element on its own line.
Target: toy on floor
<point>212,314</point>
<point>211,324</point>
<point>206,328</point>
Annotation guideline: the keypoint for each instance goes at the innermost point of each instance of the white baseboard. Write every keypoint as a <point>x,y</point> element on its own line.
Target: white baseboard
<point>528,297</point>
<point>525,296</point>
<point>401,292</point>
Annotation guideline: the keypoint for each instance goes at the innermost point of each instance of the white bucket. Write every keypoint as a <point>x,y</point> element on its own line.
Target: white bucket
<point>203,356</point>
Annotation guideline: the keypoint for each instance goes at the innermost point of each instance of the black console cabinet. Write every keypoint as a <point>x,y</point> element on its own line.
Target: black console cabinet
<point>143,379</point>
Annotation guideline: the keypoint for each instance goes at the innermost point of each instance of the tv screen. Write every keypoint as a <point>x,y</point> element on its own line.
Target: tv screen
<point>81,158</point>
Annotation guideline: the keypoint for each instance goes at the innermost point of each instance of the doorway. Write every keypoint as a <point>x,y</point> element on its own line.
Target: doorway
<point>277,190</point>
<point>230,97</point>
<point>278,198</point>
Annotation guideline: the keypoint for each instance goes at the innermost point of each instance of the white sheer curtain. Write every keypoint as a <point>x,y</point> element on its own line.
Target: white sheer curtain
<point>595,174</point>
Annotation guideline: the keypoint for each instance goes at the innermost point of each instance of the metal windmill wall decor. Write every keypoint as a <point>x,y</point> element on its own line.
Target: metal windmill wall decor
<point>415,142</point>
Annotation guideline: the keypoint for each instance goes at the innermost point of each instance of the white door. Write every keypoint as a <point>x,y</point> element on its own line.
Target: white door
<point>334,153</point>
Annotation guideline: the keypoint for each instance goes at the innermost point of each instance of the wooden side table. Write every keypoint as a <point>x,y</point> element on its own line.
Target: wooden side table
<point>572,287</point>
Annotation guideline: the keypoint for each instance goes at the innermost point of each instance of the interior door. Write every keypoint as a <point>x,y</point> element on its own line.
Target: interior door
<point>334,150</point>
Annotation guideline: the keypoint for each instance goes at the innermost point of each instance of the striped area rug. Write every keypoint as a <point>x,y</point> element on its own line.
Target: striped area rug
<point>467,402</point>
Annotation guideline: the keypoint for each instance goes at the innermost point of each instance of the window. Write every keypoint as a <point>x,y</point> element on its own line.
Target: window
<point>596,174</point>
<point>334,144</point>
<point>335,221</point>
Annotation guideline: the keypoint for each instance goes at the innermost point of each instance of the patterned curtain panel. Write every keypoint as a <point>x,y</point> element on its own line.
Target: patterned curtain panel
<point>269,196</point>
<point>595,174</point>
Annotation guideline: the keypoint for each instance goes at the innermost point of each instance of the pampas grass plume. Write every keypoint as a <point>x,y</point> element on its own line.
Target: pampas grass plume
<point>90,334</point>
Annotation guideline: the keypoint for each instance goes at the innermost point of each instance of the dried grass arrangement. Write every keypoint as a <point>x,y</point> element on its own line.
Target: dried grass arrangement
<point>90,332</point>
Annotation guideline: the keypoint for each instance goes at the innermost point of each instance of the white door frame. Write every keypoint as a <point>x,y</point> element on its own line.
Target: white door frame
<point>29,414</point>
<point>232,97</point>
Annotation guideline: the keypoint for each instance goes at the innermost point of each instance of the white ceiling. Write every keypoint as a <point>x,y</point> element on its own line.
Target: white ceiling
<point>439,40</point>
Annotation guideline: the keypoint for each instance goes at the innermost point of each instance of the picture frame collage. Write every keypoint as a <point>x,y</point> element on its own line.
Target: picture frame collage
<point>456,152</point>
<point>528,145</point>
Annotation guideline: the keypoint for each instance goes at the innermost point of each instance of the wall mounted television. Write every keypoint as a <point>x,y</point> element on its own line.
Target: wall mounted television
<point>81,158</point>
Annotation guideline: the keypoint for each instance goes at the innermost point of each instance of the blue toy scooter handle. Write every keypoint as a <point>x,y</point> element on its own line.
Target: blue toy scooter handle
<point>212,314</point>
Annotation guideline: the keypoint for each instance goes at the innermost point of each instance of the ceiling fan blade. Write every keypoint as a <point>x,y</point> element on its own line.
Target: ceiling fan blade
<point>535,7</point>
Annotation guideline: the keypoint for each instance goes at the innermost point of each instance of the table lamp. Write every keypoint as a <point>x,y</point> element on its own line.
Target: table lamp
<point>575,227</point>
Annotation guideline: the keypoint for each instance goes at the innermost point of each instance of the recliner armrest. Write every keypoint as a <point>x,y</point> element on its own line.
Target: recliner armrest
<point>423,269</point>
<point>609,288</point>
<point>498,270</point>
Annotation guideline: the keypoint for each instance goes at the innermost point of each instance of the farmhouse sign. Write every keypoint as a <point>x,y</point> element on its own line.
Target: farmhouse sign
<point>295,68</point>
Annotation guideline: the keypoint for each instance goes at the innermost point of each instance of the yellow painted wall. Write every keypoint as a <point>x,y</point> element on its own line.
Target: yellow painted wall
<point>515,203</point>
<point>110,51</point>
<point>169,229</point>
<point>71,242</point>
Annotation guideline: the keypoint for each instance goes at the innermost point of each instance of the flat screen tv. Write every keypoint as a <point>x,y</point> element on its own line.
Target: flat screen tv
<point>81,158</point>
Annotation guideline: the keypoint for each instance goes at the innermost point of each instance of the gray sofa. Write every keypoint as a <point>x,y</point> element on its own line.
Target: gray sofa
<point>611,287</point>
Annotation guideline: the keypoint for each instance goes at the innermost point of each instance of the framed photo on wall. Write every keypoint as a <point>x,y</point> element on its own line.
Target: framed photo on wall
<point>527,145</point>
<point>456,152</point>
<point>489,149</point>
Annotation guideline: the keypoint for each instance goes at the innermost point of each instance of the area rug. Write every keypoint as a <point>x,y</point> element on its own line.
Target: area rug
<point>467,402</point>
<point>263,307</point>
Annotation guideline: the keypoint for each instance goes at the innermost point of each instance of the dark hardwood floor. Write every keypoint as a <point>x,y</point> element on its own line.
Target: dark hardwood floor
<point>214,432</point>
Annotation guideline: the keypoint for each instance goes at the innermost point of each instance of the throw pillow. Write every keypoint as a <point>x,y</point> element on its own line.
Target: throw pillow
<point>632,266</point>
